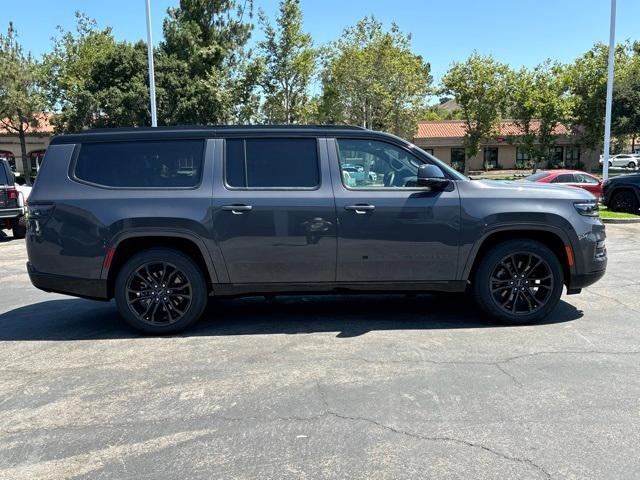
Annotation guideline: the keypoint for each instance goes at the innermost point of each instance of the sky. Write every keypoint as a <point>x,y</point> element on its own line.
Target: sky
<point>517,32</point>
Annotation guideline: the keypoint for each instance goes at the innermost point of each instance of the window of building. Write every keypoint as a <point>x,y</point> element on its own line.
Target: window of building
<point>571,156</point>
<point>458,157</point>
<point>428,150</point>
<point>374,164</point>
<point>555,157</point>
<point>272,163</point>
<point>490,158</point>
<point>142,164</point>
<point>523,158</point>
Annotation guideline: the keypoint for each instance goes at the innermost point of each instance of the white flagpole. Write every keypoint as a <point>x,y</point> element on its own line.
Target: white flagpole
<point>607,118</point>
<point>152,81</point>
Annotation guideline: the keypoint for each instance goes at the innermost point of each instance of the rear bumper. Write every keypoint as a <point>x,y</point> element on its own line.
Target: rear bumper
<point>94,289</point>
<point>11,212</point>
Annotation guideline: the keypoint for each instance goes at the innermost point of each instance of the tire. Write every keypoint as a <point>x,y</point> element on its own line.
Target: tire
<point>19,228</point>
<point>538,296</point>
<point>631,165</point>
<point>624,201</point>
<point>610,163</point>
<point>172,306</point>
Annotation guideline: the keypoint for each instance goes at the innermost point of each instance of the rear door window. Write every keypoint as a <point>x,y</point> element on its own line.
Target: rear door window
<point>279,163</point>
<point>564,178</point>
<point>142,164</point>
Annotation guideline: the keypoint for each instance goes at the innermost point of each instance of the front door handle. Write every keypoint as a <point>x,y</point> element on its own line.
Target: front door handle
<point>360,209</point>
<point>237,209</point>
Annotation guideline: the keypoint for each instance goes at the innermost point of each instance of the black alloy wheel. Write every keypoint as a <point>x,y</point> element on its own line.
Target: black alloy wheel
<point>518,281</point>
<point>521,283</point>
<point>161,291</point>
<point>158,293</point>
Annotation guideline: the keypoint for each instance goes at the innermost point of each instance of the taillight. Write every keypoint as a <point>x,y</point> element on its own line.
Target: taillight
<point>37,216</point>
<point>12,193</point>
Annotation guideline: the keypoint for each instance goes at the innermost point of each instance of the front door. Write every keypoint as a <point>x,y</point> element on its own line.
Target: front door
<point>273,210</point>
<point>390,230</point>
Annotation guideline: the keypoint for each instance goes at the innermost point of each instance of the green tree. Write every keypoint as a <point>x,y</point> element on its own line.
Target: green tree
<point>69,68</point>
<point>586,82</point>
<point>118,87</point>
<point>626,100</point>
<point>289,60</point>
<point>537,105</point>
<point>480,88</point>
<point>21,98</point>
<point>373,79</point>
<point>204,72</point>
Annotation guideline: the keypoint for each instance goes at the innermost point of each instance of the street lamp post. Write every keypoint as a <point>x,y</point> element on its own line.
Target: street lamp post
<point>152,81</point>
<point>607,117</point>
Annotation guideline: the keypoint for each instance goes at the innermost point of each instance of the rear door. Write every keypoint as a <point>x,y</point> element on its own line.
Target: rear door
<point>274,215</point>
<point>390,230</point>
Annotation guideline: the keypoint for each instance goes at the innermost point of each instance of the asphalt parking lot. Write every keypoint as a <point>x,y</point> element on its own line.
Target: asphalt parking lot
<point>313,387</point>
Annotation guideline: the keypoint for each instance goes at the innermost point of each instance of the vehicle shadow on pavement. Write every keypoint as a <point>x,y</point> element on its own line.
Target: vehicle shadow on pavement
<point>350,316</point>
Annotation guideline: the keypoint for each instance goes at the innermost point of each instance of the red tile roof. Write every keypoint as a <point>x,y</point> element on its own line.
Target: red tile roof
<point>455,129</point>
<point>43,127</point>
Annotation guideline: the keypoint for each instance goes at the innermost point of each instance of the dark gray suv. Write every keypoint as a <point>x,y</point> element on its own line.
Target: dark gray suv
<point>160,219</point>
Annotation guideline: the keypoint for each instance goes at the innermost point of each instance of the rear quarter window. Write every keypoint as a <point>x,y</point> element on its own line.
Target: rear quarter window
<point>141,164</point>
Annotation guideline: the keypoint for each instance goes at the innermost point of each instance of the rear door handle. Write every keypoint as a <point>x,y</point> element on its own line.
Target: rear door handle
<point>237,209</point>
<point>360,209</point>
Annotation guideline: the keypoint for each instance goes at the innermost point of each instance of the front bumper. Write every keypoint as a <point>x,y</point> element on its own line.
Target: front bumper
<point>94,289</point>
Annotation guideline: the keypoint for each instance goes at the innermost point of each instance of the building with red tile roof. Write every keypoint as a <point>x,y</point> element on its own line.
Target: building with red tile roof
<point>444,139</point>
<point>37,140</point>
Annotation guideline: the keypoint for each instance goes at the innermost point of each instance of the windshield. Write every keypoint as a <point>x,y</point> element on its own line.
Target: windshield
<point>536,176</point>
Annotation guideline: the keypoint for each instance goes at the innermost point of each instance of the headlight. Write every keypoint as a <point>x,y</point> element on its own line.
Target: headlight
<point>588,209</point>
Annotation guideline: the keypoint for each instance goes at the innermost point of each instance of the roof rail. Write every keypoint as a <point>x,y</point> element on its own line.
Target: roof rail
<point>222,127</point>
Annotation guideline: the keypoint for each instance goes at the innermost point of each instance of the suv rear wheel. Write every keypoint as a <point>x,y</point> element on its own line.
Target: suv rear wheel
<point>160,291</point>
<point>518,282</point>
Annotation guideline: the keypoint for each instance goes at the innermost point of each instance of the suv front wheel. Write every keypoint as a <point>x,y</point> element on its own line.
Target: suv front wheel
<point>518,282</point>
<point>160,291</point>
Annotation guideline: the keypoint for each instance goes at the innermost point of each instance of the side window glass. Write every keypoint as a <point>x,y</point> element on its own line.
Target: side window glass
<point>272,163</point>
<point>564,178</point>
<point>374,164</point>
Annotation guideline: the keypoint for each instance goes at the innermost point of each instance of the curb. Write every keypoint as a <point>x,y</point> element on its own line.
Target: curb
<point>620,220</point>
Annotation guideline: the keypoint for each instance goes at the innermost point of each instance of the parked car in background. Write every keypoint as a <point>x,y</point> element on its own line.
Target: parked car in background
<point>267,210</point>
<point>622,194</point>
<point>12,202</point>
<point>569,178</point>
<point>628,160</point>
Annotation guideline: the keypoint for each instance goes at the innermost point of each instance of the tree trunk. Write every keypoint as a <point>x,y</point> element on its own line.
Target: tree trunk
<point>633,144</point>
<point>26,167</point>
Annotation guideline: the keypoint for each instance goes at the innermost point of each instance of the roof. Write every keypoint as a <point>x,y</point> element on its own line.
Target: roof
<point>43,125</point>
<point>213,131</point>
<point>456,129</point>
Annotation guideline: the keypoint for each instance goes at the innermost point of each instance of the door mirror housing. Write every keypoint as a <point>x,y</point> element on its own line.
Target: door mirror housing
<point>431,176</point>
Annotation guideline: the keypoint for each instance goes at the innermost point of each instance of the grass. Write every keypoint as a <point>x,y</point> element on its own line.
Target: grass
<point>606,213</point>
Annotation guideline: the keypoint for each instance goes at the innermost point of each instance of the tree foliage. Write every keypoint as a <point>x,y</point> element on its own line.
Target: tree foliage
<point>205,74</point>
<point>21,99</point>
<point>373,79</point>
<point>480,87</point>
<point>537,104</point>
<point>290,60</point>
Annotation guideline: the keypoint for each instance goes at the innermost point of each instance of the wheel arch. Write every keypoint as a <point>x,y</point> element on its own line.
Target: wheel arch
<point>127,245</point>
<point>554,238</point>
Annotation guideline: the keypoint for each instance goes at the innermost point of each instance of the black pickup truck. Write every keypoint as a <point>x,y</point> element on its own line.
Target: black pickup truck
<point>12,203</point>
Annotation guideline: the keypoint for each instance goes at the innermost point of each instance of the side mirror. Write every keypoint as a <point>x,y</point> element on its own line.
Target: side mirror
<point>432,177</point>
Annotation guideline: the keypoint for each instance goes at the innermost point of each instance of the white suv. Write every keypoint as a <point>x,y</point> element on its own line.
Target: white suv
<point>629,160</point>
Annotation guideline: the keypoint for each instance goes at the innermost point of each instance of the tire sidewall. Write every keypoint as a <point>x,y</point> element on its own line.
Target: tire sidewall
<point>183,263</point>
<point>482,291</point>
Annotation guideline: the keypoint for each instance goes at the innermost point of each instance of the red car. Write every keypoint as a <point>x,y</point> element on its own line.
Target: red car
<point>570,178</point>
